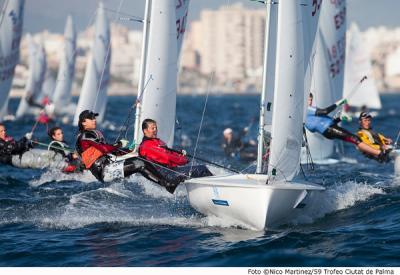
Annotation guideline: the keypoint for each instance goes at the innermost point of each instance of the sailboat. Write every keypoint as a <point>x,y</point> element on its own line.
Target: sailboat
<point>95,83</point>
<point>358,65</point>
<point>65,77</point>
<point>260,200</point>
<point>327,75</point>
<point>163,31</point>
<point>33,88</point>
<point>11,26</point>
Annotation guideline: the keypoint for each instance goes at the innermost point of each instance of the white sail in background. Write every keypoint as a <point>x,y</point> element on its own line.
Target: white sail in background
<point>358,64</point>
<point>37,72</point>
<point>288,111</point>
<point>328,69</point>
<point>11,22</point>
<point>95,83</point>
<point>66,71</point>
<point>167,27</point>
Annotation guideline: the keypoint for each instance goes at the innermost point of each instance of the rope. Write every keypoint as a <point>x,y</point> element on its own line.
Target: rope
<point>202,117</point>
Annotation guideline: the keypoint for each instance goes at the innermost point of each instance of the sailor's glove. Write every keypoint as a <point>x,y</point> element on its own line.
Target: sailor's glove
<point>28,136</point>
<point>341,102</point>
<point>183,152</point>
<point>123,142</point>
<point>345,117</point>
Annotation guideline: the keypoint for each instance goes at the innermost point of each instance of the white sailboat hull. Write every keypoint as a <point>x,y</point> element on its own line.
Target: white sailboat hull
<point>248,200</point>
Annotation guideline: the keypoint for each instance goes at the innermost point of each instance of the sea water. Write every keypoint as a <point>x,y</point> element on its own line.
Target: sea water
<point>48,218</point>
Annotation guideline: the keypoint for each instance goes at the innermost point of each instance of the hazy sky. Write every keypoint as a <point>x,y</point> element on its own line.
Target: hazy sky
<point>51,14</point>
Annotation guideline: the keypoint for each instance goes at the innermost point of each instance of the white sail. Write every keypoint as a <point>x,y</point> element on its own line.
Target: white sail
<point>328,69</point>
<point>160,77</point>
<point>288,111</point>
<point>37,72</point>
<point>358,64</point>
<point>11,22</point>
<point>66,71</point>
<point>95,83</point>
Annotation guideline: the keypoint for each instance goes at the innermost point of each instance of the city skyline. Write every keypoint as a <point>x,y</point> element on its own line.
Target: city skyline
<point>51,14</point>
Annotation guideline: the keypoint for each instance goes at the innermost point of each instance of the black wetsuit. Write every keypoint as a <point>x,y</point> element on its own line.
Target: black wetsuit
<point>10,147</point>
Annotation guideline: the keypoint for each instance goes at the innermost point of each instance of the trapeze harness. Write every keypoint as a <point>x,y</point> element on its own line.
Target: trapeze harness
<point>318,121</point>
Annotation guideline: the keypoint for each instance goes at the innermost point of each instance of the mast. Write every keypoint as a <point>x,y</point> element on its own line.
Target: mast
<point>142,72</point>
<point>261,130</point>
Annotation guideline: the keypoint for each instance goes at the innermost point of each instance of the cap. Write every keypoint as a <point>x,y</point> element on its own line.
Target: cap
<point>228,131</point>
<point>87,115</point>
<point>364,115</point>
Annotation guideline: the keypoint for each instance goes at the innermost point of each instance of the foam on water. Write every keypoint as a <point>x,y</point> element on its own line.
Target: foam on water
<point>57,175</point>
<point>335,198</point>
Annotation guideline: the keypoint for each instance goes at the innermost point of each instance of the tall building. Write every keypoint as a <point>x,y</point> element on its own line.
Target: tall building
<point>229,42</point>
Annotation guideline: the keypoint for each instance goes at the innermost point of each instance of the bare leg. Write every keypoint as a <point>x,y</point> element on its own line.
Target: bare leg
<point>363,147</point>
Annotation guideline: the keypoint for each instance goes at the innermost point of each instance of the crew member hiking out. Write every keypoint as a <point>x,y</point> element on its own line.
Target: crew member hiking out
<point>373,139</point>
<point>59,146</point>
<point>10,147</point>
<point>318,121</point>
<point>96,154</point>
<point>169,162</point>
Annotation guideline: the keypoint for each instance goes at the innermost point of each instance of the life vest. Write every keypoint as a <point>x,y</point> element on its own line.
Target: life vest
<point>58,146</point>
<point>317,123</point>
<point>371,138</point>
<point>91,154</point>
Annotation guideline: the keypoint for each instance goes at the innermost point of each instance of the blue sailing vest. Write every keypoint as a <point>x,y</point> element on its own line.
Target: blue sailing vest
<point>317,123</point>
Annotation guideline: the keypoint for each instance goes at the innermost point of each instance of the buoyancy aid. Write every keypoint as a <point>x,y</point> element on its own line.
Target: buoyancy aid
<point>91,145</point>
<point>371,138</point>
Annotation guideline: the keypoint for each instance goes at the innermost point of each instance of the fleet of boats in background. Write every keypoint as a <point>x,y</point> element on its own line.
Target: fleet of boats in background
<point>305,51</point>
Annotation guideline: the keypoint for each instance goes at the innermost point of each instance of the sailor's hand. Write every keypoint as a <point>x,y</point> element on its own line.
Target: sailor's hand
<point>28,136</point>
<point>124,142</point>
<point>341,102</point>
<point>183,152</point>
<point>345,117</point>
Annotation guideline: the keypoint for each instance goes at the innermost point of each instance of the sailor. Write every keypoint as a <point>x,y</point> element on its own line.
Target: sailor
<point>10,147</point>
<point>317,120</point>
<point>96,154</point>
<point>373,139</point>
<point>169,162</point>
<point>234,146</point>
<point>59,146</point>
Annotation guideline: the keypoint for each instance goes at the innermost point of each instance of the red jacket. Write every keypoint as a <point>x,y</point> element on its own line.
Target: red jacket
<point>154,149</point>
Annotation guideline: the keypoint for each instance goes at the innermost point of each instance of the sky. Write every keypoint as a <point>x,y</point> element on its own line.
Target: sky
<point>51,14</point>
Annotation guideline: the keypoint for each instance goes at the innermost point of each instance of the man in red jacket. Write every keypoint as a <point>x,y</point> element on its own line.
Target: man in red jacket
<point>169,162</point>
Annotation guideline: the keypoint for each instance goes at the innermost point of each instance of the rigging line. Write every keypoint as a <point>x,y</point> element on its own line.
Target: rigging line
<point>125,14</point>
<point>106,60</point>
<point>202,117</point>
<point>137,101</point>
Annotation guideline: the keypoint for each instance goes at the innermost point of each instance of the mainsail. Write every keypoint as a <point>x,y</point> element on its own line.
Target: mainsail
<point>358,64</point>
<point>11,22</point>
<point>287,118</point>
<point>65,76</point>
<point>285,67</point>
<point>94,88</point>
<point>328,69</point>
<point>164,41</point>
<point>37,72</point>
